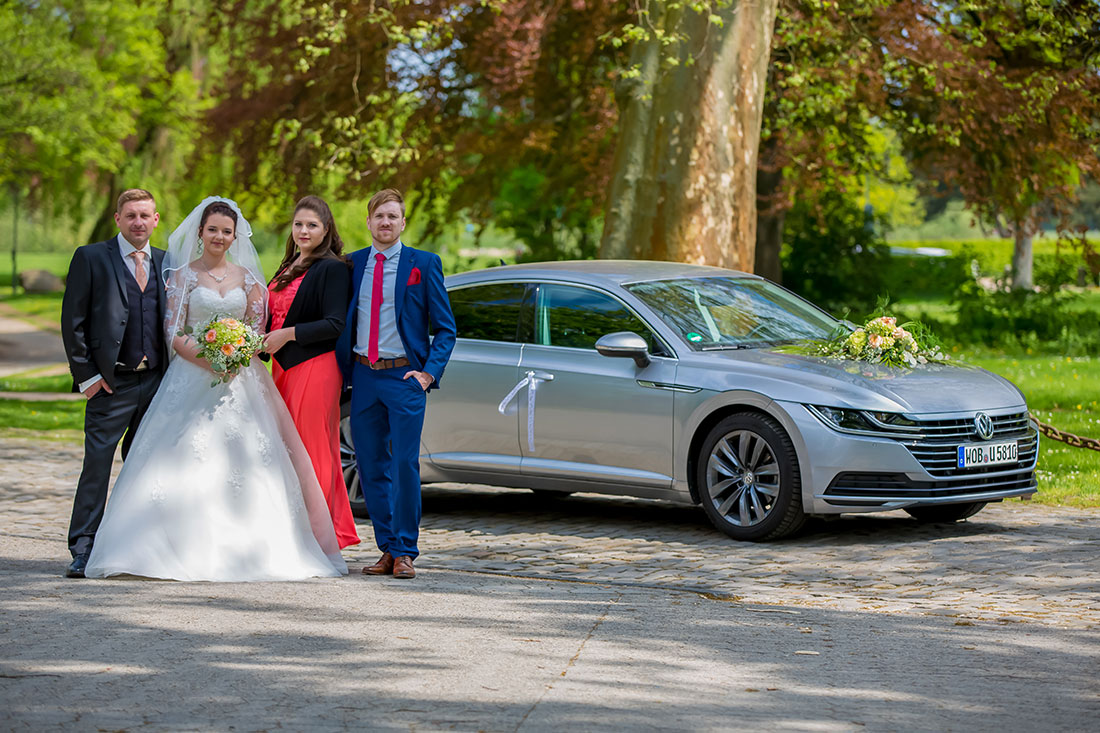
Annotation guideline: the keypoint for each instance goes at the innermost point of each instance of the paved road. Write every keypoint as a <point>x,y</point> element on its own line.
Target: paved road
<point>24,346</point>
<point>586,613</point>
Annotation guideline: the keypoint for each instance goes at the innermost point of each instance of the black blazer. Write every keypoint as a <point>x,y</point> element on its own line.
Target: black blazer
<point>317,312</point>
<point>94,309</point>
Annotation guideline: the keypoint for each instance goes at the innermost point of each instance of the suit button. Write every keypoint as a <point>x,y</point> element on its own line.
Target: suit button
<point>118,343</point>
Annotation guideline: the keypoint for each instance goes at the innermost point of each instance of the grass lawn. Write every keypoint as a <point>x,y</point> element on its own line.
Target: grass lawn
<point>1062,392</point>
<point>42,416</point>
<point>28,383</point>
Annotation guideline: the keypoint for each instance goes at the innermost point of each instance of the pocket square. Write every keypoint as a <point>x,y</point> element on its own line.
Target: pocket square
<point>414,277</point>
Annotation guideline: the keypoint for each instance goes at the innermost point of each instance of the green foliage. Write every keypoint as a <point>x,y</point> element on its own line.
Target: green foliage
<point>833,255</point>
<point>1022,319</point>
<point>913,276</point>
<point>81,78</point>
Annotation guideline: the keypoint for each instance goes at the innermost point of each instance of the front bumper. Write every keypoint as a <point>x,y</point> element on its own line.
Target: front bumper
<point>854,473</point>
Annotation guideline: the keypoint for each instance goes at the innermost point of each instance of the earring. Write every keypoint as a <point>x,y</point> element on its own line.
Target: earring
<point>200,245</point>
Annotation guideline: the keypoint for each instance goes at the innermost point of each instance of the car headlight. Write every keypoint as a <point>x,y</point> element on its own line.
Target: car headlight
<point>842,418</point>
<point>891,424</point>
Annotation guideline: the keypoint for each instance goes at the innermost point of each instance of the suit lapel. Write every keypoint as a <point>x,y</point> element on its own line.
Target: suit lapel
<point>158,263</point>
<point>404,267</point>
<point>360,267</point>
<point>114,254</point>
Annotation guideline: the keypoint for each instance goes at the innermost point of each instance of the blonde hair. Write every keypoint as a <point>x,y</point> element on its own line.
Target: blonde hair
<point>384,197</point>
<point>134,194</point>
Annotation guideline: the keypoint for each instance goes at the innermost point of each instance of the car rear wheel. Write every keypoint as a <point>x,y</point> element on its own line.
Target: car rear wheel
<point>351,470</point>
<point>748,479</point>
<point>945,512</point>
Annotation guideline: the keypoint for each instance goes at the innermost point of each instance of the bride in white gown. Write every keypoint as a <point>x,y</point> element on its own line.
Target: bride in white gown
<point>217,485</point>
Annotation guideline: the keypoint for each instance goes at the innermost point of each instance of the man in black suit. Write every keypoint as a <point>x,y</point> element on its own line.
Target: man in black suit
<point>112,323</point>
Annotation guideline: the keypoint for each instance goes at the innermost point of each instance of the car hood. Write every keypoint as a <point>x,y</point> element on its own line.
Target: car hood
<point>924,389</point>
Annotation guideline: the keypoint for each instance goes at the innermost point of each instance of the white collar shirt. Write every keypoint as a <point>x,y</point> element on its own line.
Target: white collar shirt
<point>125,248</point>
<point>390,345</point>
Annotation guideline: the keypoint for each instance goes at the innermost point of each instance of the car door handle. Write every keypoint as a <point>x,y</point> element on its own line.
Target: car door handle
<point>544,376</point>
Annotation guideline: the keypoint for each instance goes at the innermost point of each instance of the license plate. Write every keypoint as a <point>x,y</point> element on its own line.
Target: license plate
<point>988,454</point>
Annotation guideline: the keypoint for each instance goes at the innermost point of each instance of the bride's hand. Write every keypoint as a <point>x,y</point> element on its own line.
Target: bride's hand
<point>277,339</point>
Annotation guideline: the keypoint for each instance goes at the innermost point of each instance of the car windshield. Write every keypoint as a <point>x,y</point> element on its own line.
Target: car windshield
<point>712,313</point>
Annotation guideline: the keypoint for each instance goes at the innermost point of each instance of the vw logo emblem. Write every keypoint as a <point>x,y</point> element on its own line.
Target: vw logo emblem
<point>984,425</point>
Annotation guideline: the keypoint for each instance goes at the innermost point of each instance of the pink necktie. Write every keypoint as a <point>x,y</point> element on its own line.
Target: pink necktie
<point>139,269</point>
<point>375,308</point>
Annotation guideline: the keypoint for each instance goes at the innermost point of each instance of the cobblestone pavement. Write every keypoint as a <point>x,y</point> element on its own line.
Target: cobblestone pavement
<point>1012,563</point>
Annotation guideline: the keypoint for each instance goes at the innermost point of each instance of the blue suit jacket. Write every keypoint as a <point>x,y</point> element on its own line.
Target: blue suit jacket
<point>422,309</point>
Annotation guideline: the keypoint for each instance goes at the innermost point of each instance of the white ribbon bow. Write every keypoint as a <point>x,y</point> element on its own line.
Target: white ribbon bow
<point>506,406</point>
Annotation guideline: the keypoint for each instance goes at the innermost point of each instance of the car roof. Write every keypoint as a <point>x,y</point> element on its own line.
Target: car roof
<point>595,271</point>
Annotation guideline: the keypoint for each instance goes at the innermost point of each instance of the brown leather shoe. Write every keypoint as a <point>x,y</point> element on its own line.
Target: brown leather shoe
<point>384,566</point>
<point>403,567</point>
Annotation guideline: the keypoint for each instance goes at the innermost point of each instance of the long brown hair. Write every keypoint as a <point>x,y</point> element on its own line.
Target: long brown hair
<point>331,247</point>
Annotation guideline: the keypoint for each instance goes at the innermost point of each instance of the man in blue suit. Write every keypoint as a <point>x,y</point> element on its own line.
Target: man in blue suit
<point>398,301</point>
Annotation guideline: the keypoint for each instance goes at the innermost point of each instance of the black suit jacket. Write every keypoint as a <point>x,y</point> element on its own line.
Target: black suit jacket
<point>317,312</point>
<point>94,309</point>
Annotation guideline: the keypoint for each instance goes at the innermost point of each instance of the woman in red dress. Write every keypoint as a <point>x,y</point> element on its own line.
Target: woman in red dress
<point>308,304</point>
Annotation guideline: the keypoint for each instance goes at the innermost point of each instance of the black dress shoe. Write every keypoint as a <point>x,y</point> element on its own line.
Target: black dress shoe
<point>76,567</point>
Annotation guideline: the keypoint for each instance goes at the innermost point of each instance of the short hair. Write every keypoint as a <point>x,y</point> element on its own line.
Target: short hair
<point>384,197</point>
<point>134,194</point>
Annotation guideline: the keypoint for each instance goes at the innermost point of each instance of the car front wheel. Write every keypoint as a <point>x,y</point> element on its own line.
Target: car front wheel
<point>748,478</point>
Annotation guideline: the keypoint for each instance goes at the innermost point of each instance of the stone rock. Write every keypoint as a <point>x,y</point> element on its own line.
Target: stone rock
<point>40,281</point>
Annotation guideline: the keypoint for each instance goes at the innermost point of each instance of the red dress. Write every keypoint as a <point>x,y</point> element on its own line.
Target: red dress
<point>311,391</point>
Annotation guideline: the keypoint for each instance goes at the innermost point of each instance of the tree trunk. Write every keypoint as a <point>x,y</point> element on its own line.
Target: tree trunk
<point>684,181</point>
<point>770,214</point>
<point>1022,259</point>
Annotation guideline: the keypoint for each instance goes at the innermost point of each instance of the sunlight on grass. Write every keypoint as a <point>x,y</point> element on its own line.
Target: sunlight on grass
<point>1060,391</point>
<point>53,415</point>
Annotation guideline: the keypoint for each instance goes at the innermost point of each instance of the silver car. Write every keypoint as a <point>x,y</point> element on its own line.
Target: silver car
<point>664,380</point>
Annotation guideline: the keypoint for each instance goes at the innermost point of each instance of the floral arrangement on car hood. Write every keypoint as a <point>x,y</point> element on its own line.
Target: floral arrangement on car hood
<point>882,341</point>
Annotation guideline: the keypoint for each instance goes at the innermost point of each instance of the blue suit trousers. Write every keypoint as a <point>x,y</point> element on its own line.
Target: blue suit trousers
<point>387,418</point>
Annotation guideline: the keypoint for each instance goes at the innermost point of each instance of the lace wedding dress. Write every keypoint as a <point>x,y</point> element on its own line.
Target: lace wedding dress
<point>217,485</point>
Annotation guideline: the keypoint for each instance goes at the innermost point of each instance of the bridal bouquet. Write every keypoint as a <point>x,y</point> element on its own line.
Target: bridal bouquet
<point>228,344</point>
<point>882,341</point>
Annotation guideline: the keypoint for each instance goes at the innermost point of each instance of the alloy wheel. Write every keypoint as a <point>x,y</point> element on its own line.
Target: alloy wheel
<point>742,478</point>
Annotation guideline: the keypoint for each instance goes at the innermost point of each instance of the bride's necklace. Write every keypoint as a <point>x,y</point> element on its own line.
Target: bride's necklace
<point>216,278</point>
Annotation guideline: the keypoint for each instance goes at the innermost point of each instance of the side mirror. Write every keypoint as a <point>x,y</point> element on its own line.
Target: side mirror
<point>625,344</point>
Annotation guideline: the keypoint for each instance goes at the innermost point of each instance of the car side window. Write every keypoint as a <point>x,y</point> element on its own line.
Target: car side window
<point>488,312</point>
<point>578,317</point>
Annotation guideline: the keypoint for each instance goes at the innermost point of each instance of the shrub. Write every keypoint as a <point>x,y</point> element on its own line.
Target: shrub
<point>1040,320</point>
<point>833,255</point>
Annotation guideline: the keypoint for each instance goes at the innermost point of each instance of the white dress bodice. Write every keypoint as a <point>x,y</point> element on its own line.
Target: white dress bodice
<point>206,303</point>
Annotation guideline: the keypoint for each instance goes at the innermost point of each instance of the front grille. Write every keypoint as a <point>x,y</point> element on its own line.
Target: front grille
<point>936,449</point>
<point>876,489</point>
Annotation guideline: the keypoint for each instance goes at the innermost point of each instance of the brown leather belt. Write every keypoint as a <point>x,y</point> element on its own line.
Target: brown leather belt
<point>400,361</point>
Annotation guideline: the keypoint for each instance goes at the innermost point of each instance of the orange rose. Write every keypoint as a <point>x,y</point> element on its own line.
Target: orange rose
<point>228,349</point>
<point>211,336</point>
<point>239,341</point>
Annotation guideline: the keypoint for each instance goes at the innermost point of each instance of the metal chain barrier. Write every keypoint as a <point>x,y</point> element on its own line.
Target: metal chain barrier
<point>1068,438</point>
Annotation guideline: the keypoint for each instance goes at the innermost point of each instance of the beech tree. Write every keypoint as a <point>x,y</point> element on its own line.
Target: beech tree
<point>456,97</point>
<point>684,184</point>
<point>1000,99</point>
